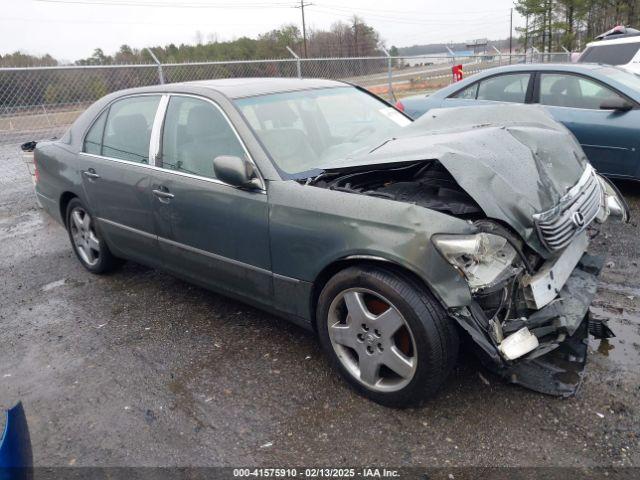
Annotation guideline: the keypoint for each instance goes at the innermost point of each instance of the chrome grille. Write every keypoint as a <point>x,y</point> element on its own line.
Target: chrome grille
<point>577,209</point>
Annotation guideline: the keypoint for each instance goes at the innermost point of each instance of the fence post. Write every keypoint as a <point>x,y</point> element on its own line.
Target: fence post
<point>392,96</point>
<point>568,53</point>
<point>536,52</point>
<point>155,59</point>
<point>299,67</point>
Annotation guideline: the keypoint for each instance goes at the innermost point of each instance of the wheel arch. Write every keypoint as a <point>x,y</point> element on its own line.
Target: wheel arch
<point>361,261</point>
<point>65,198</point>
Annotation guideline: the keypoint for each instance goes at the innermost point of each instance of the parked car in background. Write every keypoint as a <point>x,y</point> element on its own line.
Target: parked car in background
<point>320,202</point>
<point>599,104</point>
<point>619,46</point>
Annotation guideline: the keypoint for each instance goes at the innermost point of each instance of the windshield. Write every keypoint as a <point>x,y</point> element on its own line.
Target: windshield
<point>308,130</point>
<point>628,79</point>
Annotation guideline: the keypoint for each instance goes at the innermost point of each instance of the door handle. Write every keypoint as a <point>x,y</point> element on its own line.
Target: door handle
<point>163,194</point>
<point>90,174</point>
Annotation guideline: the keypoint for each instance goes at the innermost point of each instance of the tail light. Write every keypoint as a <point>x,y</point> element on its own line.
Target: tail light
<point>400,106</point>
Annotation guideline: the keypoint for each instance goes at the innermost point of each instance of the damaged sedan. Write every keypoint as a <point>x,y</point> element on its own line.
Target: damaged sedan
<point>392,239</point>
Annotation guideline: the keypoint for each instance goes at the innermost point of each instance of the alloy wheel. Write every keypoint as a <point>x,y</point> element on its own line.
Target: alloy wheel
<point>372,340</point>
<point>84,236</point>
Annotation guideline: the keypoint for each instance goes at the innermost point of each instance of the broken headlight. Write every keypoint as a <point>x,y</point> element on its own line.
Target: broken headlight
<point>614,204</point>
<point>483,258</point>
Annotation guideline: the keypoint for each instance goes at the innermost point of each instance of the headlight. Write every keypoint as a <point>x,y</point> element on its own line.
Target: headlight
<point>614,203</point>
<point>483,258</point>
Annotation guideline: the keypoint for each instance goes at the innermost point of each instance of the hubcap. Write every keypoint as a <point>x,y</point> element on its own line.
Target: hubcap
<point>372,340</point>
<point>84,236</point>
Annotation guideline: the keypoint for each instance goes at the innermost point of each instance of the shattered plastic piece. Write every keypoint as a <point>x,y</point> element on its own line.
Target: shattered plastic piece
<point>558,373</point>
<point>518,344</point>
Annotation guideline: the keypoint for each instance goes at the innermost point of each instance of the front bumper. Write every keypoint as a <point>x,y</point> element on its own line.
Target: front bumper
<point>556,364</point>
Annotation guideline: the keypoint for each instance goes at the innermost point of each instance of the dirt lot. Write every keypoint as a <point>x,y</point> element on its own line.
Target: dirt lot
<point>139,368</point>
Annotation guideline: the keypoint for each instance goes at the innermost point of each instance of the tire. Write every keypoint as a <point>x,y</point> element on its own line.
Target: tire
<point>428,356</point>
<point>87,241</point>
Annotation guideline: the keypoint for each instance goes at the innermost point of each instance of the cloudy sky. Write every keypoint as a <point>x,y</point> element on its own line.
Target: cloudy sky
<point>71,29</point>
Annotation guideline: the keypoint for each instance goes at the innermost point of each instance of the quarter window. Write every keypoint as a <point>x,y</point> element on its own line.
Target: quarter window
<point>128,128</point>
<point>93,140</point>
<point>469,93</point>
<point>195,132</point>
<point>505,88</point>
<point>572,91</point>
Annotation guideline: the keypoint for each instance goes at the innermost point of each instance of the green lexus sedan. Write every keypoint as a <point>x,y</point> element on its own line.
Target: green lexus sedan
<point>393,240</point>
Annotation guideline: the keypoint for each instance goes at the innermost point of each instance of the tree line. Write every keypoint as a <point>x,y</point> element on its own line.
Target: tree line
<point>553,24</point>
<point>70,86</point>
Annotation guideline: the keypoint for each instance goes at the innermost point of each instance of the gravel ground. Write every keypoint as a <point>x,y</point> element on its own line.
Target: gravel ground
<point>139,368</point>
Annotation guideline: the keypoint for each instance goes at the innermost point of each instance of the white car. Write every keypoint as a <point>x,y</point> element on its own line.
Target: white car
<point>622,49</point>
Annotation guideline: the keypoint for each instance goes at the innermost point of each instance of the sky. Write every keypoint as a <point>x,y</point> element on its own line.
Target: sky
<point>72,29</point>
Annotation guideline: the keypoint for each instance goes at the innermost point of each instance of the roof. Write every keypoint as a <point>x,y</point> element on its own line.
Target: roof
<point>616,40</point>
<point>249,87</point>
<point>570,67</point>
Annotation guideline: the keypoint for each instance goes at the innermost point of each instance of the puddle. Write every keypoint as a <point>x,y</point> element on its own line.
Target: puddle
<point>624,348</point>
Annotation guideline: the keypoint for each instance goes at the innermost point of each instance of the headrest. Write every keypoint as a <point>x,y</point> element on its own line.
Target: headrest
<point>204,120</point>
<point>130,126</point>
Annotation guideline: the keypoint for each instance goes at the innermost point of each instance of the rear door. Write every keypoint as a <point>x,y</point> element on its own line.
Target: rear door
<point>213,233</point>
<point>116,176</point>
<point>609,138</point>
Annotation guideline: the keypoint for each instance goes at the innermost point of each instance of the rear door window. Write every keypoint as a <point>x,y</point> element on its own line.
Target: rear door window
<point>505,88</point>
<point>128,128</point>
<point>561,90</point>
<point>616,54</point>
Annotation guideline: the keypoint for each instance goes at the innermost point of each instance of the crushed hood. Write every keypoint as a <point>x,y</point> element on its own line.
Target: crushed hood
<point>514,160</point>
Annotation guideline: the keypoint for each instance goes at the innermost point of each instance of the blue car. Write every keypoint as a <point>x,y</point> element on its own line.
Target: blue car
<point>600,104</point>
<point>16,458</point>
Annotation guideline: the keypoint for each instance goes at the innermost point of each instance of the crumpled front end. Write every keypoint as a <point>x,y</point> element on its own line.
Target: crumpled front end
<point>530,315</point>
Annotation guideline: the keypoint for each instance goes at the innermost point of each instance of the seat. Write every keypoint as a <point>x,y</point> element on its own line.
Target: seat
<point>129,139</point>
<point>208,136</point>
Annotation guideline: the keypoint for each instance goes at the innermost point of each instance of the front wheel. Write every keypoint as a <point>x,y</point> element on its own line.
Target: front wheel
<point>386,334</point>
<point>87,243</point>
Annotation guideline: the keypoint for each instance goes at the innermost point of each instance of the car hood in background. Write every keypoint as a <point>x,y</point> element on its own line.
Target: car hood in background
<point>514,160</point>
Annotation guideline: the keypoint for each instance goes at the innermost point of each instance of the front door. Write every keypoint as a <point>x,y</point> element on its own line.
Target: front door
<point>609,138</point>
<point>214,234</point>
<point>116,177</point>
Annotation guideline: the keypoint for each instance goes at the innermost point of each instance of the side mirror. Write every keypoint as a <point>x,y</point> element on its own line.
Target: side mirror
<point>236,171</point>
<point>616,103</point>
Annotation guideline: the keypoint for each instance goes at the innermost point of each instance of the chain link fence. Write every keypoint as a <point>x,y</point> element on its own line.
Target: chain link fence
<point>41,102</point>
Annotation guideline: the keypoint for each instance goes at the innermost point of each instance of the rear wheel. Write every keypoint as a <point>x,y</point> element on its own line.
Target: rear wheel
<point>87,243</point>
<point>387,335</point>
